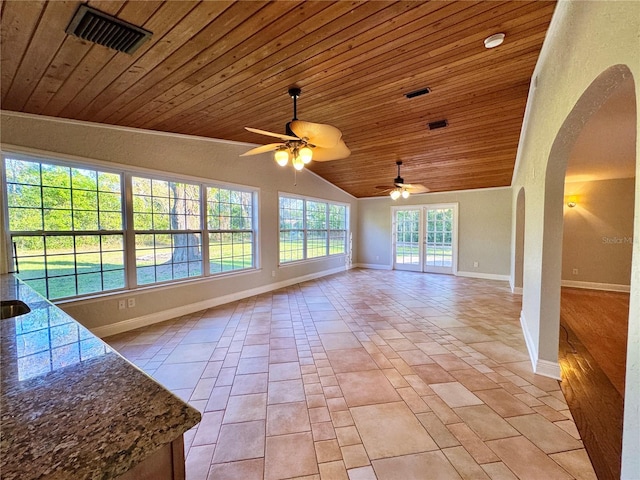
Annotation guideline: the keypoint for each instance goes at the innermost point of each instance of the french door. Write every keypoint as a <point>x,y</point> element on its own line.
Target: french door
<point>425,238</point>
<point>407,244</point>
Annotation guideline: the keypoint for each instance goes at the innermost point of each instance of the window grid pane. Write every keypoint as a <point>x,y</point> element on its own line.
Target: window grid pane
<point>311,229</point>
<point>68,226</point>
<point>337,242</point>
<point>291,245</point>
<point>338,229</point>
<point>167,256</point>
<point>54,219</point>
<point>408,237</point>
<point>161,209</point>
<point>230,224</point>
<point>316,243</point>
<point>439,237</point>
<point>292,234</point>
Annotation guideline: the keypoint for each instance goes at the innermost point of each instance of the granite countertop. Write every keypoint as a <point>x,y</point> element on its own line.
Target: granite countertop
<point>71,407</point>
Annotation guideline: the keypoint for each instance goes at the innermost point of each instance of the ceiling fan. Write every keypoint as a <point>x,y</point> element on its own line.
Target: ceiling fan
<point>402,189</point>
<point>303,141</point>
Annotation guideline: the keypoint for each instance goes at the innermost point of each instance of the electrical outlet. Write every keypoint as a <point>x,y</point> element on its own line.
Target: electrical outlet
<point>131,302</point>
<point>121,305</point>
<point>575,271</point>
<point>475,264</point>
<point>273,273</point>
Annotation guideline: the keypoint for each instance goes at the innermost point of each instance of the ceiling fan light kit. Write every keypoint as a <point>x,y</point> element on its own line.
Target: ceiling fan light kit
<point>401,189</point>
<point>303,142</point>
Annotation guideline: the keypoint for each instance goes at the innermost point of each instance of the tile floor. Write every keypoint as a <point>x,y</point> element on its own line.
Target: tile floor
<point>364,375</point>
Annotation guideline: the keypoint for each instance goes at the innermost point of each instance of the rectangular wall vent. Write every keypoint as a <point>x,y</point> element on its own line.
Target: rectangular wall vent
<point>438,124</point>
<point>417,93</point>
<point>98,27</point>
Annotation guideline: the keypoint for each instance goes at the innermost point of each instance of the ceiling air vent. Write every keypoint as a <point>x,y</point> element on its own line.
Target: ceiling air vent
<point>417,93</point>
<point>98,27</point>
<point>438,124</point>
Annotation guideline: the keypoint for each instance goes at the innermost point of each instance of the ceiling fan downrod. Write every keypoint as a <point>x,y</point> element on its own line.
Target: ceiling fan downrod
<point>398,179</point>
<point>294,92</point>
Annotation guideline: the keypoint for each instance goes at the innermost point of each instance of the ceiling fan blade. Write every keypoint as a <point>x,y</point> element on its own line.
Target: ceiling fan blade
<point>415,188</point>
<point>319,134</point>
<point>327,154</point>
<point>271,134</point>
<point>261,149</point>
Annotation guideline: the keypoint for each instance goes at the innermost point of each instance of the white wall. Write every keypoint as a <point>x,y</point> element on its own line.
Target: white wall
<point>484,229</point>
<point>598,233</point>
<point>587,43</point>
<point>184,155</point>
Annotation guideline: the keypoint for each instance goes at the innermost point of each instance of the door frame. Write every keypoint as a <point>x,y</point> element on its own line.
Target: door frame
<point>394,231</point>
<point>454,238</point>
<point>422,229</point>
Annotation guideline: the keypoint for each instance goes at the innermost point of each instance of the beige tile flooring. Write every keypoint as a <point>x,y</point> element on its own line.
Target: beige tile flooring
<point>364,375</point>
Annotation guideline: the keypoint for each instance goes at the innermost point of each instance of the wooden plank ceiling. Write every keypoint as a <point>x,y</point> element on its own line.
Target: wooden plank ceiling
<point>213,67</point>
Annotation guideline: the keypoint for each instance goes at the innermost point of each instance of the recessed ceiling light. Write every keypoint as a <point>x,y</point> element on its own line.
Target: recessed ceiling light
<point>494,40</point>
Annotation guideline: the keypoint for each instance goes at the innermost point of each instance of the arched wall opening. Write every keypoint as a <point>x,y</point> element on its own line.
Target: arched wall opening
<point>551,279</point>
<point>607,85</point>
<point>599,199</point>
<point>518,258</point>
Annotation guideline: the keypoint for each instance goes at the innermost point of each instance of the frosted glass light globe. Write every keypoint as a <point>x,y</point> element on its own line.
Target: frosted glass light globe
<point>281,156</point>
<point>298,164</point>
<point>306,154</point>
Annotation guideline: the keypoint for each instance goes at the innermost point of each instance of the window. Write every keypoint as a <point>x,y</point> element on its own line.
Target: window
<point>66,226</point>
<point>166,219</point>
<point>230,227</point>
<point>74,233</point>
<point>311,229</point>
<point>291,229</point>
<point>316,229</point>
<point>337,229</point>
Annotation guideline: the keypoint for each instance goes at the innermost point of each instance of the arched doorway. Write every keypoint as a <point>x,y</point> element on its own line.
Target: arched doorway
<point>604,88</point>
<point>518,258</point>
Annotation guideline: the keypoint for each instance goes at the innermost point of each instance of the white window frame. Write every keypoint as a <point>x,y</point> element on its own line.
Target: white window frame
<point>305,230</point>
<point>128,232</point>
<point>45,233</point>
<point>253,230</point>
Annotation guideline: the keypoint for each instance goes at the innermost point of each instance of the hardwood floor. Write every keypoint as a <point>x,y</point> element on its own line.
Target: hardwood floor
<point>601,321</point>
<point>593,349</point>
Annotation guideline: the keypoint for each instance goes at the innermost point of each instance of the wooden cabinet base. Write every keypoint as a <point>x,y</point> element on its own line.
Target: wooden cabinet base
<point>164,464</point>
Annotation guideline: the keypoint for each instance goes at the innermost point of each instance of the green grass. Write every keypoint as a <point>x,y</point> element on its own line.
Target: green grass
<point>410,254</point>
<point>62,267</point>
<point>293,251</point>
<point>406,250</point>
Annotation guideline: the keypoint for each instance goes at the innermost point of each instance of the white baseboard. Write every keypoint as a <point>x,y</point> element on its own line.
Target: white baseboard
<point>540,367</point>
<point>156,317</point>
<point>531,346</point>
<point>548,369</point>
<point>374,266</point>
<point>485,276</point>
<point>608,287</point>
